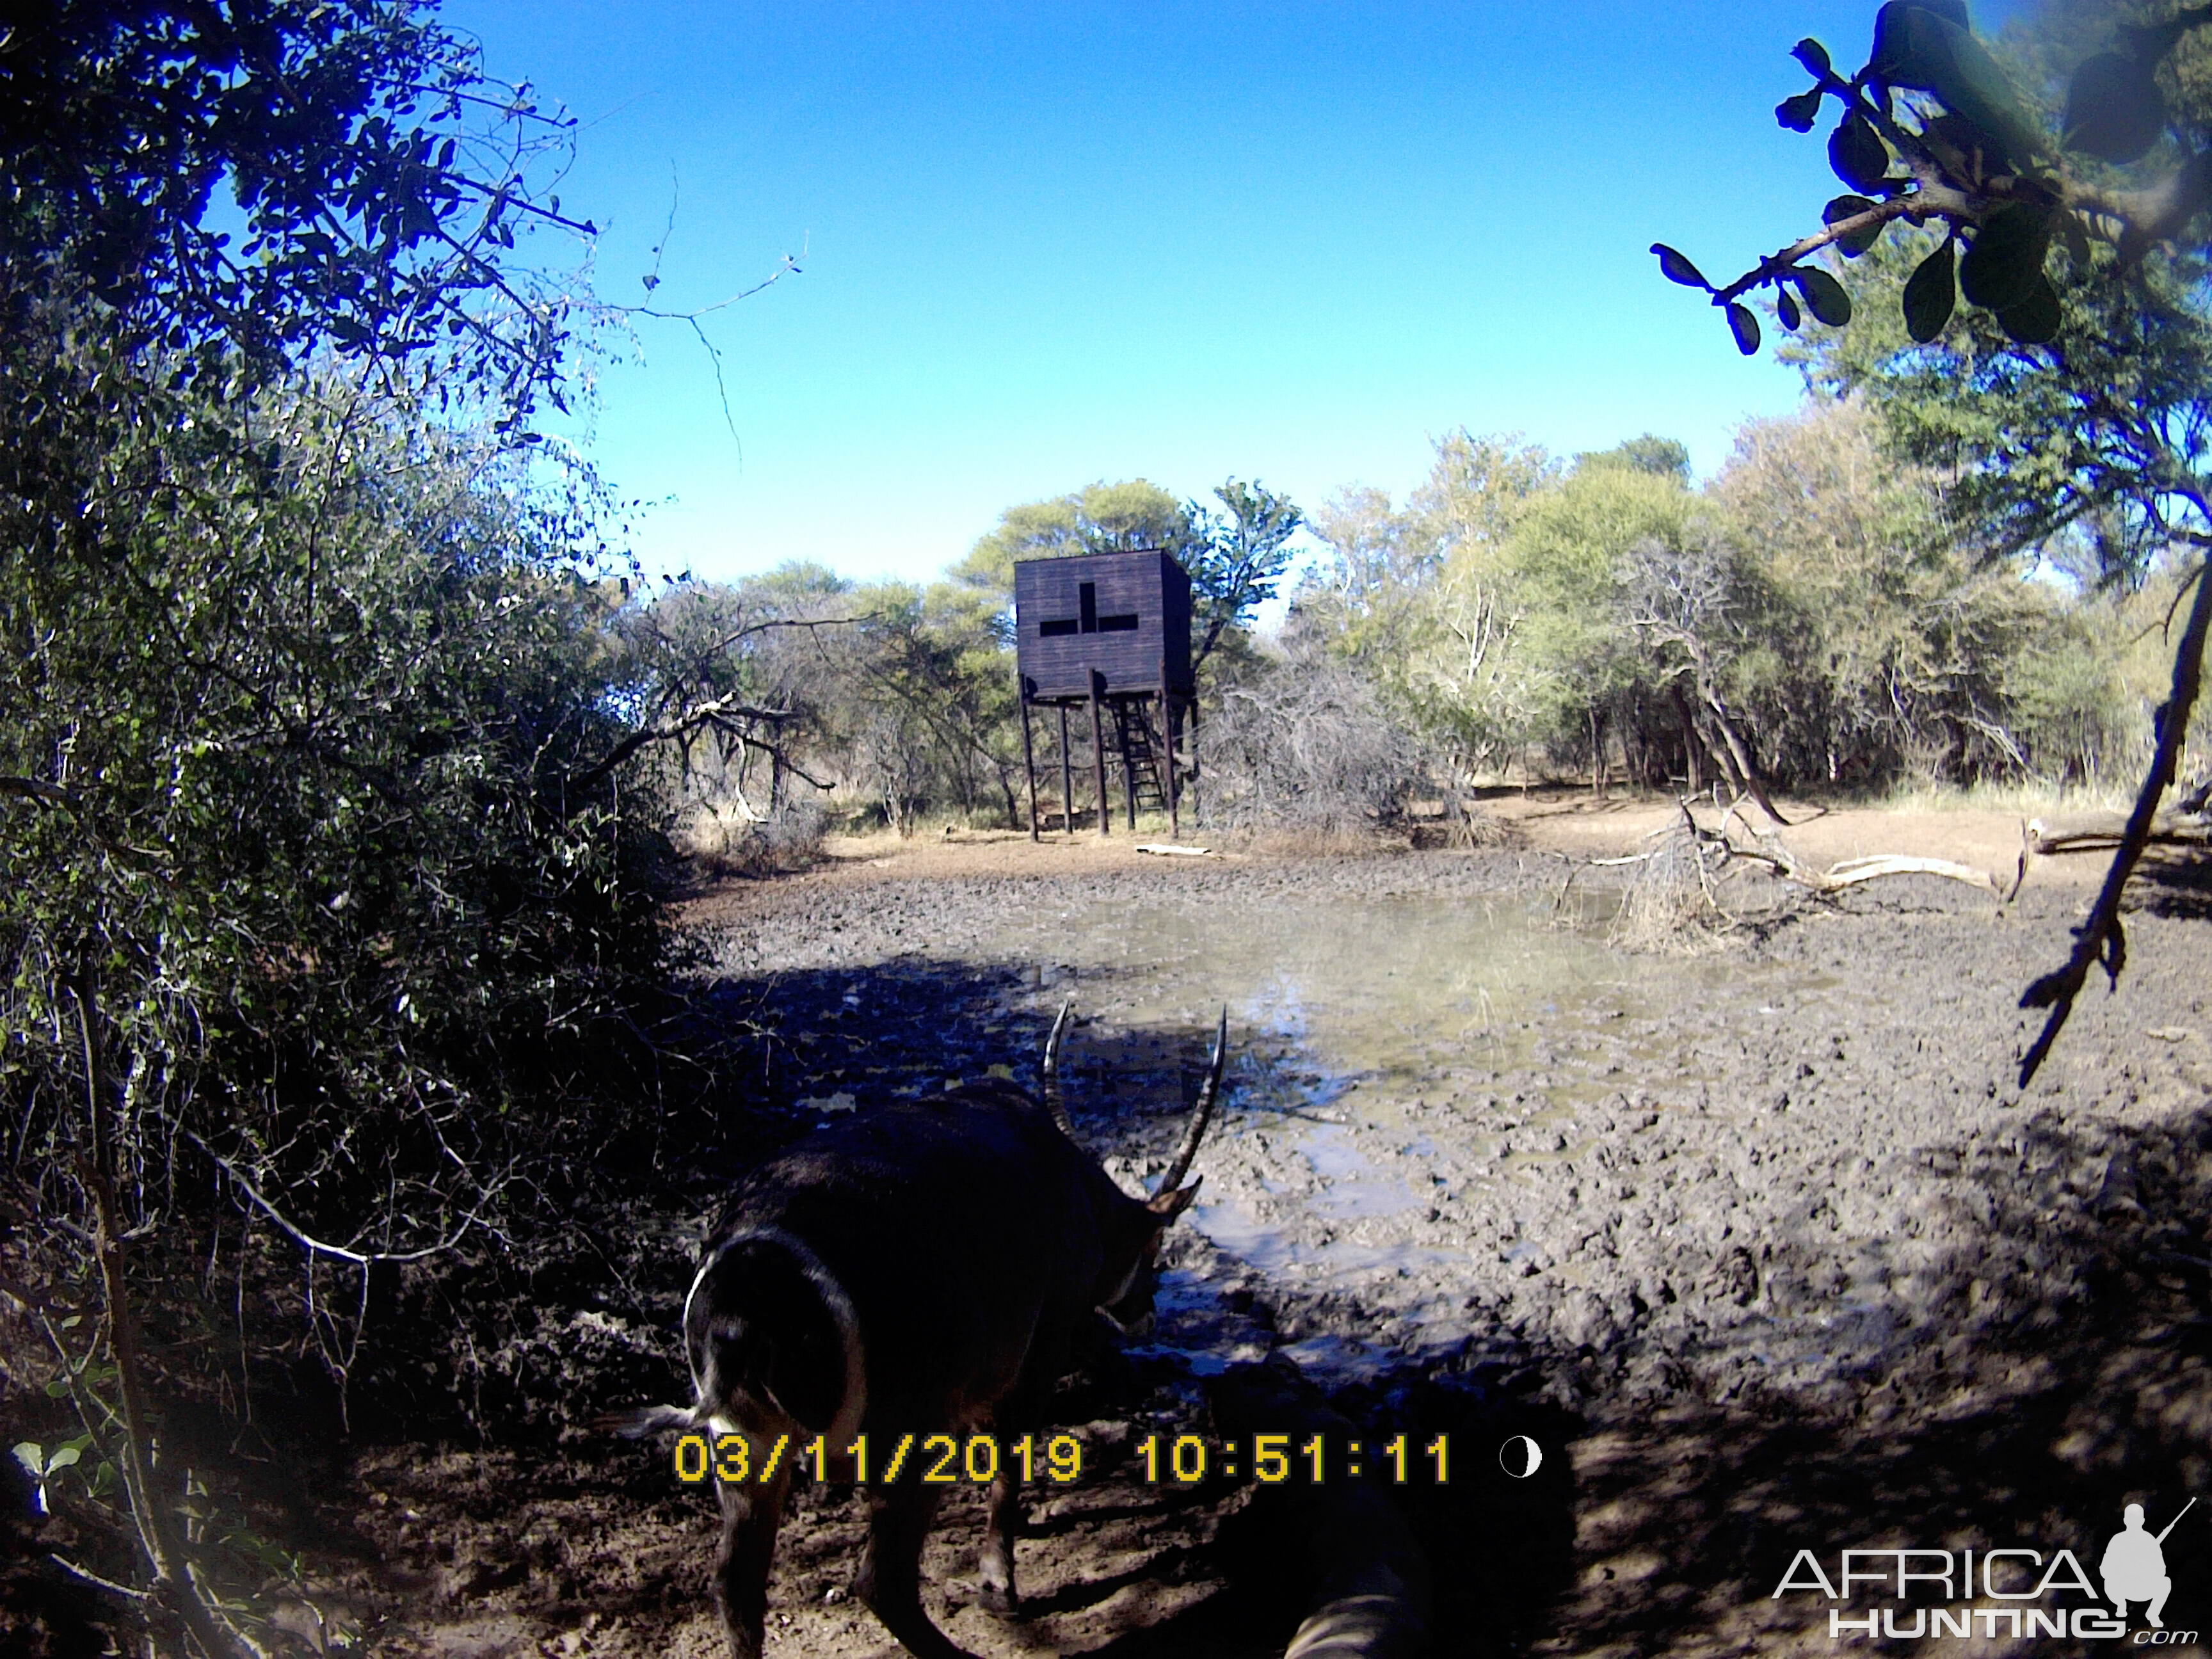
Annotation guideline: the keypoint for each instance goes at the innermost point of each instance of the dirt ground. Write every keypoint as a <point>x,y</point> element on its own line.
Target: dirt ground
<point>1763,1248</point>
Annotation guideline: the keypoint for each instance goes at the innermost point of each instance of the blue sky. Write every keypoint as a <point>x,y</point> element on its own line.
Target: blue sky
<point>1046,244</point>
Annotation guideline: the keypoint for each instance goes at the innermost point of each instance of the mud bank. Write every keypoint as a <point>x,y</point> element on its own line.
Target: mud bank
<point>1762,1248</point>
<point>1772,1230</point>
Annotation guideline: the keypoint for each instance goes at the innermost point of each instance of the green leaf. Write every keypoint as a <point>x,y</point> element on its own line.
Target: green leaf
<point>1799,113</point>
<point>2114,110</point>
<point>1850,207</point>
<point>1676,269</point>
<point>1930,295</point>
<point>1785,309</point>
<point>62,1458</point>
<point>1895,40</point>
<point>1745,327</point>
<point>1824,296</point>
<point>1856,153</point>
<point>2005,262</point>
<point>32,1455</point>
<point>1916,45</point>
<point>2035,319</point>
<point>1966,138</point>
<point>2068,229</point>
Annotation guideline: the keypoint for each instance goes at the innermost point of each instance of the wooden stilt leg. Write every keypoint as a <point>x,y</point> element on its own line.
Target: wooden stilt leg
<point>1098,758</point>
<point>1066,777</point>
<point>1029,762</point>
<point>1197,812</point>
<point>1168,754</point>
<point>1128,768</point>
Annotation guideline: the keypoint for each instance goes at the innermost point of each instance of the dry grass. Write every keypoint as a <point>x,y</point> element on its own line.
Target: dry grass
<point>1673,905</point>
<point>2024,800</point>
<point>1308,841</point>
<point>721,840</point>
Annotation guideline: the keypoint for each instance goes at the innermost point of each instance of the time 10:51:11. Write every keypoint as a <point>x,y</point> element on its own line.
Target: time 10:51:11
<point>1187,1459</point>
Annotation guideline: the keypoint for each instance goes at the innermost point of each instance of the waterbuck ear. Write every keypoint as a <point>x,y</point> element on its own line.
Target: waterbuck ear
<point>1173,1201</point>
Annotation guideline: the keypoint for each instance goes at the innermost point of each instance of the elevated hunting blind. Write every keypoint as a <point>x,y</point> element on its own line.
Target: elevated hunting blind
<point>1110,631</point>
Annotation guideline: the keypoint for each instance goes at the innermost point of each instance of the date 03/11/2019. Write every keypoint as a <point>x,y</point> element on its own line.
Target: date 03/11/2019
<point>978,1459</point>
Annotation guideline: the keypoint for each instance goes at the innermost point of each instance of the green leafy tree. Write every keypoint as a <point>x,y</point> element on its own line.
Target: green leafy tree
<point>243,182</point>
<point>1466,675</point>
<point>1235,557</point>
<point>1876,644</point>
<point>1567,562</point>
<point>1421,599</point>
<point>323,878</point>
<point>2067,395</point>
<point>322,886</point>
<point>1104,518</point>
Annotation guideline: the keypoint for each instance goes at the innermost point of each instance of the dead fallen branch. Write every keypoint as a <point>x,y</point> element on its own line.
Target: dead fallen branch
<point>1676,897</point>
<point>2100,832</point>
<point>1849,873</point>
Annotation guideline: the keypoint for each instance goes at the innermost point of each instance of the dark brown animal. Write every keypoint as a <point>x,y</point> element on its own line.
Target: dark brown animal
<point>925,1268</point>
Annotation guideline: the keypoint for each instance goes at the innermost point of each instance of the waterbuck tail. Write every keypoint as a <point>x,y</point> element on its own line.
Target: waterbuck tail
<point>767,1324</point>
<point>1053,1103</point>
<point>1201,1114</point>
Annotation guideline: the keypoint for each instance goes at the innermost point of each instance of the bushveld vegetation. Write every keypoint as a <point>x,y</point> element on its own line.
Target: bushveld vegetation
<point>341,753</point>
<point>1816,617</point>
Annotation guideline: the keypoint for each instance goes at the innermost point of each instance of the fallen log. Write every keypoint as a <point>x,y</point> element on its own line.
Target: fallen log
<point>1722,845</point>
<point>2100,832</point>
<point>1850,873</point>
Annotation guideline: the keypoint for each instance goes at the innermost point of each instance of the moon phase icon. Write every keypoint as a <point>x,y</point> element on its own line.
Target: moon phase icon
<point>1520,1457</point>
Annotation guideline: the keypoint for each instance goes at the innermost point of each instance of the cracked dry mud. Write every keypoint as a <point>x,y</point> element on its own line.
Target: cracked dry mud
<point>1763,1245</point>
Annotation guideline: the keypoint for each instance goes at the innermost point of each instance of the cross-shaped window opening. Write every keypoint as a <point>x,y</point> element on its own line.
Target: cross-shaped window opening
<point>1087,619</point>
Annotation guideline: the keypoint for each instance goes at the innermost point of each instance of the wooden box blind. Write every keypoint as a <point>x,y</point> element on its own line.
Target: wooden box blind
<point>1119,614</point>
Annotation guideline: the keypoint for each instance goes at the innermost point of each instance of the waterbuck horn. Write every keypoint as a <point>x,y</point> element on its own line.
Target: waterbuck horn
<point>1053,1103</point>
<point>1201,1114</point>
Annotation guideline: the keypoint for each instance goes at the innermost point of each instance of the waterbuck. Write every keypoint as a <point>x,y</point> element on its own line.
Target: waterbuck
<point>929,1268</point>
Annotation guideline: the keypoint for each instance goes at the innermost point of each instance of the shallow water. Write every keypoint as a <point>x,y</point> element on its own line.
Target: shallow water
<point>1349,1021</point>
<point>1370,988</point>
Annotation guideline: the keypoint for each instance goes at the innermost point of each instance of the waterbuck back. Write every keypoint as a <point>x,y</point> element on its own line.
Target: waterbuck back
<point>928,1267</point>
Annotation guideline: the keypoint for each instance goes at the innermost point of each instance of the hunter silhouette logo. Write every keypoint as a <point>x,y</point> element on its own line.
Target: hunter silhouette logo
<point>1987,1594</point>
<point>2134,1567</point>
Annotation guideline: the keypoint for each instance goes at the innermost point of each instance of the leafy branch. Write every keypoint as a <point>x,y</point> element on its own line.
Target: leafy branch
<point>2007,193</point>
<point>1932,97</point>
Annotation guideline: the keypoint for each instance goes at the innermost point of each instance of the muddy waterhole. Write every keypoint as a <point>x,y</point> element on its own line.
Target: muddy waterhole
<point>1762,1248</point>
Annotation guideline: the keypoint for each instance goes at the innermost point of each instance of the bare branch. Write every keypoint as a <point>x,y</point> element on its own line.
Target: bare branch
<point>316,1246</point>
<point>47,795</point>
<point>1917,206</point>
<point>95,1580</point>
<point>2100,938</point>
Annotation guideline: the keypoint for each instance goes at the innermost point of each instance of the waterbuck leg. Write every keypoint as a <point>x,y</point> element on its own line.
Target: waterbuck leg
<point>890,1580</point>
<point>1023,1410</point>
<point>750,1514</point>
<point>1003,1526</point>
